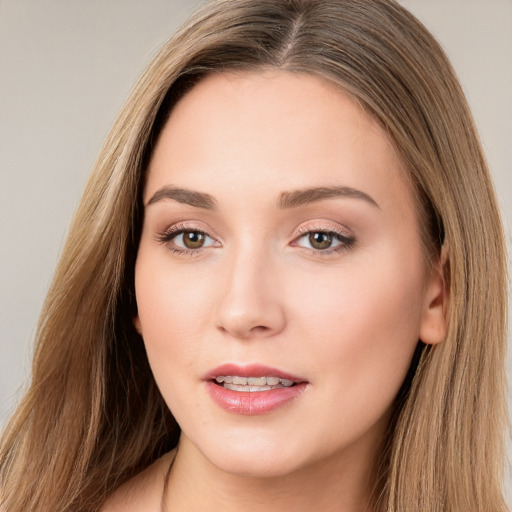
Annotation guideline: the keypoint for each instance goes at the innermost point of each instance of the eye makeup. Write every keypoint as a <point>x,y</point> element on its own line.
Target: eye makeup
<point>188,240</point>
<point>323,240</point>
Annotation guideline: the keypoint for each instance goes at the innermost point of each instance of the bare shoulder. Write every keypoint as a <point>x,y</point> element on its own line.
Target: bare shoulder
<point>143,492</point>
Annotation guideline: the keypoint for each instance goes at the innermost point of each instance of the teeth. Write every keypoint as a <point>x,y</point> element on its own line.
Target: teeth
<point>237,383</point>
<point>257,381</point>
<point>234,387</point>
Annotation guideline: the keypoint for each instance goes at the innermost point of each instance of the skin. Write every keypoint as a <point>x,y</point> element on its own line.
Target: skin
<point>347,318</point>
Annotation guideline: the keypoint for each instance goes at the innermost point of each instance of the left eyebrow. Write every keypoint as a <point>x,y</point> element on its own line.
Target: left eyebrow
<point>311,195</point>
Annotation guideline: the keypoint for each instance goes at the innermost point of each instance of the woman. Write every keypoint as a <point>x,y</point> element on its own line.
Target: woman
<point>290,247</point>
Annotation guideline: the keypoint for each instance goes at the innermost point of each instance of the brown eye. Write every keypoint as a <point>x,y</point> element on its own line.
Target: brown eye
<point>193,239</point>
<point>320,240</point>
<point>325,242</point>
<point>187,241</point>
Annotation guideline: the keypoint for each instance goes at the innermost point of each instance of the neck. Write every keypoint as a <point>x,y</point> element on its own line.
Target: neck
<point>343,482</point>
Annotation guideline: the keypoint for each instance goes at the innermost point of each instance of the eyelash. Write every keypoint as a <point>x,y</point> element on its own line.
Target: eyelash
<point>169,234</point>
<point>347,242</point>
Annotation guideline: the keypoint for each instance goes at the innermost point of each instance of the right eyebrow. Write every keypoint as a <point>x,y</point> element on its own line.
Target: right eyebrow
<point>184,196</point>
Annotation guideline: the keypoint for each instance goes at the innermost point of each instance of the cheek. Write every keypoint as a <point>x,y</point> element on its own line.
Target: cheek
<point>171,309</point>
<point>363,327</point>
<point>169,302</point>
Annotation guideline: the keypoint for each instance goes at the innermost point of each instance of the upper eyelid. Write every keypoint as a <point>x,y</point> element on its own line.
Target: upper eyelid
<point>180,227</point>
<point>320,229</point>
<point>325,228</point>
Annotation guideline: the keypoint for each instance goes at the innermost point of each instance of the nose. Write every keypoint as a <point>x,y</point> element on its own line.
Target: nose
<point>251,303</point>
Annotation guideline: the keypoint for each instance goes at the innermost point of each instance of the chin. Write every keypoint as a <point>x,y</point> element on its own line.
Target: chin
<point>251,467</point>
<point>260,458</point>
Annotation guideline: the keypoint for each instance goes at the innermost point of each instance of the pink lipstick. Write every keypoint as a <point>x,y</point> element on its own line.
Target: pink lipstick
<point>252,389</point>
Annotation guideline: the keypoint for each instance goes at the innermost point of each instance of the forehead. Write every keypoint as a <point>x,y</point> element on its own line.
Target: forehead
<point>272,131</point>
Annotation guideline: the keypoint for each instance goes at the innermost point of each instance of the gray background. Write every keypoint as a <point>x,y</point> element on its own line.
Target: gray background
<point>66,66</point>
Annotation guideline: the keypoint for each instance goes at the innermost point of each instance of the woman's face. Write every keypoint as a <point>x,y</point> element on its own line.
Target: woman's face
<point>281,245</point>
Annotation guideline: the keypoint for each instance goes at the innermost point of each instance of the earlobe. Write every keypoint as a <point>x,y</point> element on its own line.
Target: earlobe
<point>434,322</point>
<point>137,324</point>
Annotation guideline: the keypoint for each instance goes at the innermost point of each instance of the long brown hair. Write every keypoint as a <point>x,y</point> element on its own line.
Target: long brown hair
<point>93,416</point>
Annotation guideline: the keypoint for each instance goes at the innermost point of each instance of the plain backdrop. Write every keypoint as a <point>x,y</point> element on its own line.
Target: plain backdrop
<point>66,67</point>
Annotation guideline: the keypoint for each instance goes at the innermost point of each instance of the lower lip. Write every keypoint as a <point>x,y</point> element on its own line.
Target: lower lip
<point>255,402</point>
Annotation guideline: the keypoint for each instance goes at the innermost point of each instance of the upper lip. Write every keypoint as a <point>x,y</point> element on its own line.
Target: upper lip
<point>250,370</point>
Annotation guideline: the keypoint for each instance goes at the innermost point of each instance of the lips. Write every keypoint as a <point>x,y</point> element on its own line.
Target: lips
<point>252,389</point>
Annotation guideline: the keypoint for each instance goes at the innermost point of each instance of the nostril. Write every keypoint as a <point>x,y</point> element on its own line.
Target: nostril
<point>260,328</point>
<point>243,330</point>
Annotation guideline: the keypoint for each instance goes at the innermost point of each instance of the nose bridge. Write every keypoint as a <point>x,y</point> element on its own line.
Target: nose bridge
<point>249,304</point>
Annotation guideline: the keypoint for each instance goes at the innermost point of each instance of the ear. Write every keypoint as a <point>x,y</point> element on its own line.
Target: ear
<point>434,322</point>
<point>137,324</point>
